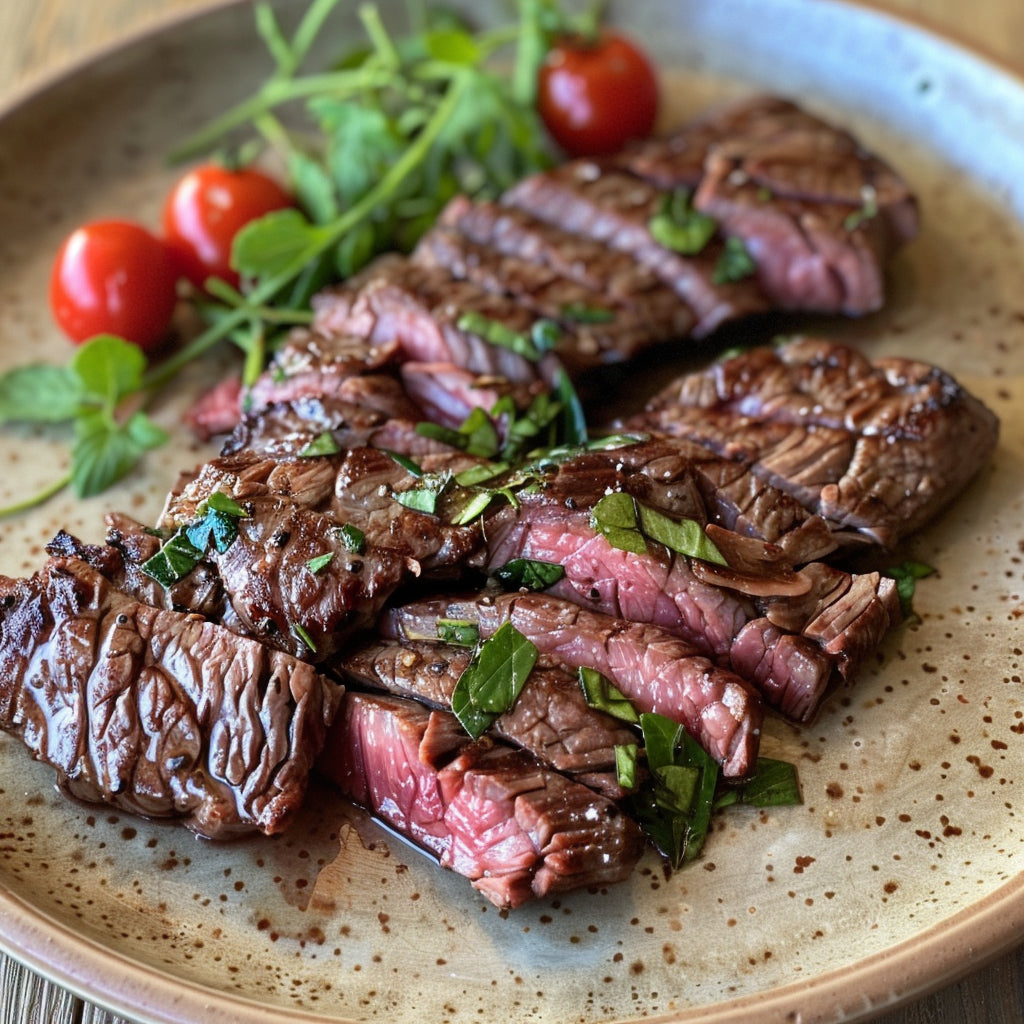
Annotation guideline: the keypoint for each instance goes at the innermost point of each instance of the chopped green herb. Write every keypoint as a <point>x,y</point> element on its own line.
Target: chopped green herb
<point>628,524</point>
<point>352,537</point>
<point>322,444</point>
<point>302,634</point>
<point>458,631</point>
<point>734,264</point>
<point>626,758</point>
<point>867,211</point>
<point>493,680</point>
<point>477,434</point>
<point>906,575</point>
<point>599,692</point>
<point>405,462</point>
<point>773,784</point>
<point>529,574</point>
<point>679,227</point>
<point>318,563</point>
<point>541,338</point>
<point>216,527</point>
<point>578,313</point>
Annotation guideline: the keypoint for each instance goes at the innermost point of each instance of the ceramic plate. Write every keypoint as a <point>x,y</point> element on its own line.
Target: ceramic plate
<point>902,868</point>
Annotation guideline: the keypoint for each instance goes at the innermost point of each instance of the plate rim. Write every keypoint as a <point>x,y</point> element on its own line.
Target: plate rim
<point>932,959</point>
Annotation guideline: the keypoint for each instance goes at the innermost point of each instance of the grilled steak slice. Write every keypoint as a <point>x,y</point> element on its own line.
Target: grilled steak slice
<point>550,719</point>
<point>819,215</point>
<point>154,712</point>
<point>517,830</point>
<point>655,669</point>
<point>615,209</point>
<point>876,449</point>
<point>419,309</point>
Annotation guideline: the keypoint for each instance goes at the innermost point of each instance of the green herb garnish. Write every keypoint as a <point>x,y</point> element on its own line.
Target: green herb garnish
<point>906,575</point>
<point>458,631</point>
<point>493,680</point>
<point>734,264</point>
<point>679,227</point>
<point>601,694</point>
<point>628,524</point>
<point>318,563</point>
<point>323,444</point>
<point>529,574</point>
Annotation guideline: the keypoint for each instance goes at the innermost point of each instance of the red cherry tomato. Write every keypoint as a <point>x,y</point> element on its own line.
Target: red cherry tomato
<point>594,96</point>
<point>207,208</point>
<point>114,277</point>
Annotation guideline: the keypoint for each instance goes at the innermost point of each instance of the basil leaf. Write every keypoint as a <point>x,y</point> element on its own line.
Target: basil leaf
<point>174,561</point>
<point>615,517</point>
<point>424,497</point>
<point>323,444</point>
<point>39,393</point>
<point>104,451</point>
<point>478,503</point>
<point>773,784</point>
<point>626,758</point>
<point>477,434</point>
<point>734,264</point>
<point>404,461</point>
<point>686,536</point>
<point>109,368</point>
<point>574,420</point>
<point>529,573</point>
<point>458,631</point>
<point>679,227</point>
<point>318,563</point>
<point>273,243</point>
<point>220,502</point>
<point>352,537</point>
<point>627,524</point>
<point>600,693</point>
<point>493,680</point>
<point>906,575</point>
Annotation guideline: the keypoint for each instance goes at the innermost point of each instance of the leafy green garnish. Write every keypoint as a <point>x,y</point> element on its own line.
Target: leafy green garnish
<point>542,336</point>
<point>679,227</point>
<point>318,563</point>
<point>529,574</point>
<point>628,524</point>
<point>323,444</point>
<point>426,494</point>
<point>600,693</point>
<point>493,680</point>
<point>458,631</point>
<point>352,537</point>
<point>773,784</point>
<point>906,574</point>
<point>215,526</point>
<point>734,264</point>
<point>86,395</point>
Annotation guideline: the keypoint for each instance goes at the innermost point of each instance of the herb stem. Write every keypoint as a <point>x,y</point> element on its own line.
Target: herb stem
<point>327,236</point>
<point>37,499</point>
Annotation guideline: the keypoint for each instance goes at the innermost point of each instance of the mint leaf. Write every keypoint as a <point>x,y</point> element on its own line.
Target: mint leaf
<point>274,244</point>
<point>104,452</point>
<point>108,368</point>
<point>39,393</point>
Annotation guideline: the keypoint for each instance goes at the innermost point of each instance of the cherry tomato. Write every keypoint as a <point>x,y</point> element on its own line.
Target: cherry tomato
<point>114,277</point>
<point>207,208</point>
<point>594,96</point>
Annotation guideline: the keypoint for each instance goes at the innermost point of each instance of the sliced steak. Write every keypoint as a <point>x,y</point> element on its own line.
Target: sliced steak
<point>818,213</point>
<point>657,670</point>
<point>154,712</point>
<point>876,449</point>
<point>615,209</point>
<point>517,830</point>
<point>550,719</point>
<point>418,308</point>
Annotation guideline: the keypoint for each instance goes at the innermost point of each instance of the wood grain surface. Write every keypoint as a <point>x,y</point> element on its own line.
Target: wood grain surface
<point>43,37</point>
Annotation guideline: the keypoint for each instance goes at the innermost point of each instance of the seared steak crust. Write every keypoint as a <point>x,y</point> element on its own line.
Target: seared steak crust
<point>875,449</point>
<point>158,713</point>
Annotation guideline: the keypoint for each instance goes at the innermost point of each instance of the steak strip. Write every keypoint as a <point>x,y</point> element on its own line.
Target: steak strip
<point>517,830</point>
<point>154,712</point>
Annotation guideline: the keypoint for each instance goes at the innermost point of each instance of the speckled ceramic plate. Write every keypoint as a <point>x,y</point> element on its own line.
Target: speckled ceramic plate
<point>903,866</point>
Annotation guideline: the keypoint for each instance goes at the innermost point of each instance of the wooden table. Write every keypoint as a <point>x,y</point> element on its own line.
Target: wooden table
<point>43,35</point>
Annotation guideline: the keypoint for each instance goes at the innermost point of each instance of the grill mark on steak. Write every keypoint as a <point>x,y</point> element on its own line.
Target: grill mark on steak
<point>867,446</point>
<point>657,670</point>
<point>819,214</point>
<point>550,719</point>
<point>615,209</point>
<point>517,830</point>
<point>158,713</point>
